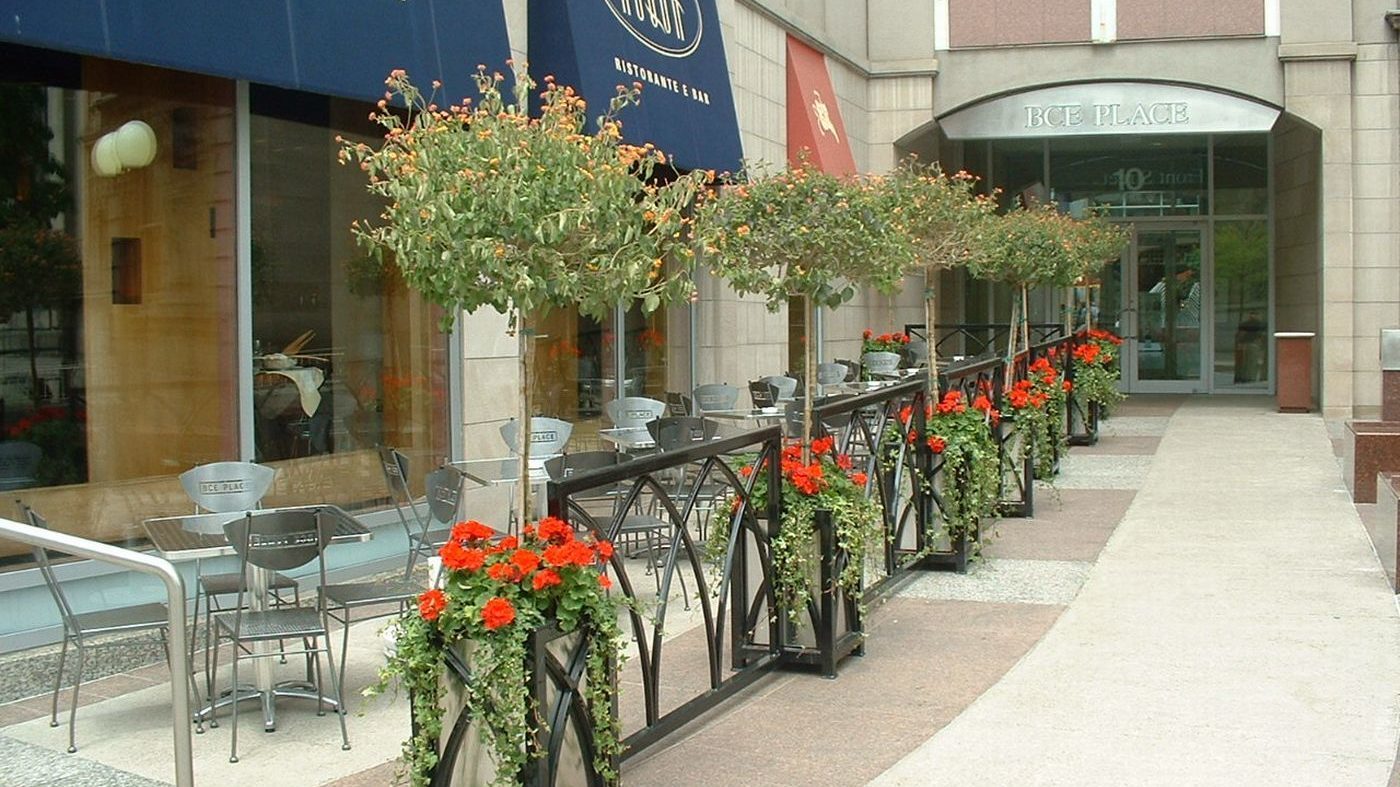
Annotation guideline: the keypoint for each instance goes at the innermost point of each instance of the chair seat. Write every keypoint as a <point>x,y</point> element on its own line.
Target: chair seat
<point>355,594</point>
<point>434,538</point>
<point>638,523</point>
<point>287,622</point>
<point>233,581</point>
<point>140,616</point>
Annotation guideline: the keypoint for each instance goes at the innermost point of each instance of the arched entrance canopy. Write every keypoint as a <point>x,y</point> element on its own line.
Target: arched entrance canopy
<point>1098,108</point>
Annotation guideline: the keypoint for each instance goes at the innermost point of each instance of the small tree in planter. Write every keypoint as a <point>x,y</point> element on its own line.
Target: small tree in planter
<point>488,206</point>
<point>808,234</point>
<point>1036,246</point>
<point>949,225</point>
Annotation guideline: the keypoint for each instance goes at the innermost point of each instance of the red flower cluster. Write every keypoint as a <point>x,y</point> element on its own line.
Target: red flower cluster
<point>884,342</point>
<point>953,403</point>
<point>548,553</point>
<point>431,604</point>
<point>1104,336</point>
<point>1087,353</point>
<point>21,428</point>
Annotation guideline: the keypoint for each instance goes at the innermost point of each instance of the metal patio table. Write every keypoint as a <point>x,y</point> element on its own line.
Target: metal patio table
<point>201,536</point>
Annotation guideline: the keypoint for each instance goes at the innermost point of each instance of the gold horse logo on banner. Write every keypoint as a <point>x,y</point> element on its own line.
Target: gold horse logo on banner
<point>824,123</point>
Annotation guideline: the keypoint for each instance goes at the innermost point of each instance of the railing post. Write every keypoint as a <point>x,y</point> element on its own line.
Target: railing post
<point>777,619</point>
<point>826,588</point>
<point>178,637</point>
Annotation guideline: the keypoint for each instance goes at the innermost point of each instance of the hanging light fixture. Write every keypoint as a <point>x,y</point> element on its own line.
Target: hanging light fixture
<point>130,147</point>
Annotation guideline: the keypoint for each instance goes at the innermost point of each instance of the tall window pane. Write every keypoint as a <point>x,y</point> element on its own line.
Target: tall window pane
<point>1242,304</point>
<point>117,311</point>
<point>348,358</point>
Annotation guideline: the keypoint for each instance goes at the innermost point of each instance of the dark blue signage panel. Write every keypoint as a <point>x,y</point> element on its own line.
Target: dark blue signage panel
<point>335,47</point>
<point>673,47</point>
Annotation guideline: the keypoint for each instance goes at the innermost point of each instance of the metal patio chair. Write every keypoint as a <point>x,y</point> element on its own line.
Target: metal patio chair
<point>280,541</point>
<point>228,488</point>
<point>341,599</point>
<point>715,396</point>
<point>80,627</point>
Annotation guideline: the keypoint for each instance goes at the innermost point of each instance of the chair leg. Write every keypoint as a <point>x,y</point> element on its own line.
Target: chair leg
<point>314,667</point>
<point>58,679</point>
<point>73,711</point>
<point>344,643</point>
<point>211,668</point>
<point>335,687</point>
<point>233,739</point>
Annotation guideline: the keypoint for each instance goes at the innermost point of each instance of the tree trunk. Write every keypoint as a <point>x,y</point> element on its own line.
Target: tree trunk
<point>809,377</point>
<point>1026,318</point>
<point>36,386</point>
<point>524,335</point>
<point>929,335</point>
<point>1010,348</point>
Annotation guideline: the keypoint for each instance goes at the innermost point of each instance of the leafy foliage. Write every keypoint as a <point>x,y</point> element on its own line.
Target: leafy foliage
<point>948,223</point>
<point>803,232</point>
<point>496,592</point>
<point>488,206</point>
<point>1040,245</point>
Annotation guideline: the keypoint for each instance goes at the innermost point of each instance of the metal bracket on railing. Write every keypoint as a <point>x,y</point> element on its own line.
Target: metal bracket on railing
<point>179,633</point>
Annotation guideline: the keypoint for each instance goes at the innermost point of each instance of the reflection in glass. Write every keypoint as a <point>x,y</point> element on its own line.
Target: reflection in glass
<point>367,363</point>
<point>1130,176</point>
<point>574,372</point>
<point>1241,304</point>
<point>1242,174</point>
<point>117,312</point>
<point>1169,304</point>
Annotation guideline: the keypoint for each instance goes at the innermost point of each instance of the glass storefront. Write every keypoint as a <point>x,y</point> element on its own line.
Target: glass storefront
<point>120,328</point>
<point>1192,293</point>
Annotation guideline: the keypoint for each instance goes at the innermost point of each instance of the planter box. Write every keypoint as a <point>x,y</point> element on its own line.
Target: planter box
<point>880,362</point>
<point>1083,422</point>
<point>556,666</point>
<point>1017,496</point>
<point>836,629</point>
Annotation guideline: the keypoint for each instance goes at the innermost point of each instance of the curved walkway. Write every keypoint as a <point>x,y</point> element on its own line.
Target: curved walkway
<point>1237,629</point>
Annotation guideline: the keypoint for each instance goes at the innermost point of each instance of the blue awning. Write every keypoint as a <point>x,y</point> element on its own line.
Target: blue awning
<point>673,47</point>
<point>334,47</point>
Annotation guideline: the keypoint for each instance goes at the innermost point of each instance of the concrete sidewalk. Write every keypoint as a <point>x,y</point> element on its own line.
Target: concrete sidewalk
<point>1237,629</point>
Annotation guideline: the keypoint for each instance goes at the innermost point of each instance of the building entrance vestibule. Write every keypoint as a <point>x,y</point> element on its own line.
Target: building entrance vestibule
<point>1191,300</point>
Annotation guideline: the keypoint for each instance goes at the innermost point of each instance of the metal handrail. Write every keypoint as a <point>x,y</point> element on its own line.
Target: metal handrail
<point>175,591</point>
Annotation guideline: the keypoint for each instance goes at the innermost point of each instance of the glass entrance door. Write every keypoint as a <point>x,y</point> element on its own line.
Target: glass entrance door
<point>1166,265</point>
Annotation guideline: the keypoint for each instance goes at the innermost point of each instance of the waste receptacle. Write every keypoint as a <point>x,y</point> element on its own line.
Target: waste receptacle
<point>1294,382</point>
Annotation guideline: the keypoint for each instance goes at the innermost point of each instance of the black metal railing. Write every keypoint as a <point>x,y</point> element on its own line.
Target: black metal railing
<point>979,340</point>
<point>669,493</point>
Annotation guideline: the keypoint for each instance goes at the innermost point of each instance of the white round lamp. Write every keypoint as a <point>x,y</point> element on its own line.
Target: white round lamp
<point>136,144</point>
<point>105,160</point>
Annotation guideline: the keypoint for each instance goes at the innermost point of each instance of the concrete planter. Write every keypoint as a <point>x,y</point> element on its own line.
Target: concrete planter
<point>880,362</point>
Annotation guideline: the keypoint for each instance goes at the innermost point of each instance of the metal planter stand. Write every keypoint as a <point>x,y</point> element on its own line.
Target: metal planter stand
<point>835,616</point>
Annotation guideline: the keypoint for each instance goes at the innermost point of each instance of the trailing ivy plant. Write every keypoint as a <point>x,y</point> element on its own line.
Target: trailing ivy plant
<point>1096,369</point>
<point>1037,405</point>
<point>961,432</point>
<point>487,205</point>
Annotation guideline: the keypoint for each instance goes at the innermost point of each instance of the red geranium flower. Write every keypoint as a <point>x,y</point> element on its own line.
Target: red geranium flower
<point>859,479</point>
<point>508,543</point>
<point>844,461</point>
<point>503,572</point>
<point>431,604</point>
<point>555,529</point>
<point>525,561</point>
<point>823,445</point>
<point>937,444</point>
<point>604,582</point>
<point>472,530</point>
<point>496,613</point>
<point>547,578</point>
<point>457,557</point>
<point>604,549</point>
